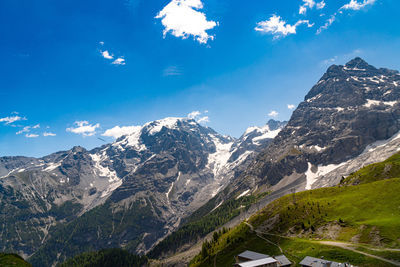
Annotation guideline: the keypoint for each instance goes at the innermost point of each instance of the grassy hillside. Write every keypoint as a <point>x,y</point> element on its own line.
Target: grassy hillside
<point>106,258</point>
<point>367,214</point>
<point>12,260</point>
<point>389,168</point>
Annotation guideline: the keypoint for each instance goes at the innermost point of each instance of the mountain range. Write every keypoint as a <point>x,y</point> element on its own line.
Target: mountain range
<point>134,192</point>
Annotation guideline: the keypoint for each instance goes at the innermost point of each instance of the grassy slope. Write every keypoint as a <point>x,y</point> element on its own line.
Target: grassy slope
<point>389,168</point>
<point>12,260</point>
<point>368,213</point>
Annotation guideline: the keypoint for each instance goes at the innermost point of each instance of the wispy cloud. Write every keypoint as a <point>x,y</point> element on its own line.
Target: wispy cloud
<point>321,4</point>
<point>204,119</point>
<point>278,27</point>
<point>182,18</point>
<point>355,5</point>
<point>118,131</point>
<point>31,135</point>
<point>26,129</point>
<point>48,134</point>
<point>309,4</point>
<point>197,115</point>
<point>290,106</point>
<point>327,24</point>
<point>108,55</point>
<point>172,71</point>
<point>12,119</point>
<point>84,128</point>
<point>273,113</point>
<point>341,58</point>
<point>352,5</point>
<point>119,61</point>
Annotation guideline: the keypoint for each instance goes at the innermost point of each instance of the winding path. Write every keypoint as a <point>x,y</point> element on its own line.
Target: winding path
<point>349,246</point>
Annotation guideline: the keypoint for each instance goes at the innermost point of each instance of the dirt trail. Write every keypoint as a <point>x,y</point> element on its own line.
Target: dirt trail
<point>350,246</point>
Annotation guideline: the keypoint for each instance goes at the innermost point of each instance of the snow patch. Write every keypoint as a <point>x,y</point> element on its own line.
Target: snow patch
<point>218,160</point>
<point>52,166</point>
<point>267,135</point>
<point>321,170</point>
<point>371,102</point>
<point>216,207</point>
<point>243,194</point>
<point>103,171</point>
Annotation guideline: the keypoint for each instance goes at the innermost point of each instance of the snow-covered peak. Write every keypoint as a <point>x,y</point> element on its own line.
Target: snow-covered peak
<point>170,123</point>
<point>132,139</point>
<point>268,131</point>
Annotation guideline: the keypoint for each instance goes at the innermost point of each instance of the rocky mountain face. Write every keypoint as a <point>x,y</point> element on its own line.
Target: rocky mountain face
<point>129,193</point>
<point>351,109</point>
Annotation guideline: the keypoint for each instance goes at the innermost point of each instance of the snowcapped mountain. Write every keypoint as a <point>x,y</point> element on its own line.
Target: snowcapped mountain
<point>351,108</point>
<point>163,170</point>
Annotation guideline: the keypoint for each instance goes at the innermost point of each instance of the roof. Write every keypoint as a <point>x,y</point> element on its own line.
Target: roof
<point>251,255</point>
<point>315,262</point>
<point>282,260</point>
<point>255,263</point>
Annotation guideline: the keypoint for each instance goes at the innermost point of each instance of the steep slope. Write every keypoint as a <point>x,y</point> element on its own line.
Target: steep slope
<point>12,260</point>
<point>335,213</point>
<point>349,119</point>
<point>130,193</point>
<point>350,108</point>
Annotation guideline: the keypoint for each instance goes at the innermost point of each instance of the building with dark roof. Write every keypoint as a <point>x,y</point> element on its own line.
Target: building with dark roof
<point>315,262</point>
<point>250,256</point>
<point>282,261</point>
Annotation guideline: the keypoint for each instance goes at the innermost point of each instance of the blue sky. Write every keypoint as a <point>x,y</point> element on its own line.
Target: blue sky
<point>74,69</point>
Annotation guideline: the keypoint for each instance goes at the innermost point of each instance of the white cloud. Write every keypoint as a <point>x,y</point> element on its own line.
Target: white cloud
<point>273,113</point>
<point>84,128</point>
<point>328,23</point>
<point>196,115</point>
<point>11,119</point>
<point>182,19</point>
<point>120,131</point>
<point>321,4</point>
<point>172,71</point>
<point>355,5</point>
<point>204,119</point>
<point>290,106</point>
<point>37,126</point>
<point>101,43</point>
<point>26,129</point>
<point>31,135</point>
<point>49,134</point>
<point>107,55</point>
<point>352,5</point>
<point>278,27</point>
<point>119,61</point>
<point>307,4</point>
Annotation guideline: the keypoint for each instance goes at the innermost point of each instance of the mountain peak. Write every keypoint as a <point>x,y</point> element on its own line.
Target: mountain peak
<point>358,63</point>
<point>274,124</point>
